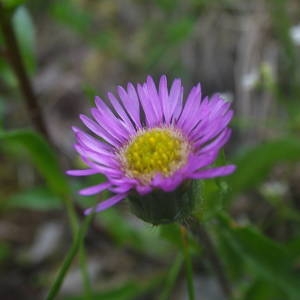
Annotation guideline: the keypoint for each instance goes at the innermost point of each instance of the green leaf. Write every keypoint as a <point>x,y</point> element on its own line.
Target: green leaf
<point>232,260</point>
<point>293,247</point>
<point>266,259</point>
<point>38,198</point>
<point>41,155</point>
<point>25,33</point>
<point>254,165</point>
<point>261,290</point>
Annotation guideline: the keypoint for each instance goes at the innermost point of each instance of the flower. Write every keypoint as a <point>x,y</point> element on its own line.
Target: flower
<point>152,140</point>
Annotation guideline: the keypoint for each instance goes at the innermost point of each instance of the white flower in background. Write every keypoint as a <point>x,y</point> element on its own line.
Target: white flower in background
<point>250,79</point>
<point>295,34</point>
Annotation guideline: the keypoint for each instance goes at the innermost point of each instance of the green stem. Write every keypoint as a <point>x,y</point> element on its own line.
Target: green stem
<point>171,278</point>
<point>85,274</point>
<point>199,231</point>
<point>82,257</point>
<point>72,216</point>
<point>69,258</point>
<point>188,263</point>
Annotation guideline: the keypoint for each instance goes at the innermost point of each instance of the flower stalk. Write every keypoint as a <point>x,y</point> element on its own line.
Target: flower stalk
<point>78,242</point>
<point>188,263</point>
<point>198,230</point>
<point>172,278</point>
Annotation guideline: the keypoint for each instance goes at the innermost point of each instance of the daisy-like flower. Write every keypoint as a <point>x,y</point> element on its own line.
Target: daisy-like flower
<point>150,141</point>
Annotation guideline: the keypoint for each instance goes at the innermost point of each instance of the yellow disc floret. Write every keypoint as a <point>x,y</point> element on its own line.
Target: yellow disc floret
<point>157,150</point>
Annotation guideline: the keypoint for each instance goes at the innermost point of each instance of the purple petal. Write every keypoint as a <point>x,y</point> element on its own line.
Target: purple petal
<point>191,105</point>
<point>151,102</point>
<point>114,127</point>
<point>103,114</point>
<point>92,190</point>
<point>153,94</point>
<point>150,116</point>
<point>121,112</point>
<point>178,108</point>
<point>121,189</point>
<point>200,161</point>
<point>95,128</point>
<point>90,141</point>
<point>103,108</point>
<point>167,184</point>
<point>198,117</point>
<point>212,131</point>
<point>214,172</point>
<point>221,110</point>
<point>219,142</point>
<point>124,181</point>
<point>164,93</point>
<point>174,99</point>
<point>143,189</point>
<point>85,172</point>
<point>102,169</point>
<point>106,204</point>
<point>98,158</point>
<point>131,102</point>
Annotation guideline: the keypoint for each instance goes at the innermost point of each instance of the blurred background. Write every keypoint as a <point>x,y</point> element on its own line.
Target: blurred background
<point>72,50</point>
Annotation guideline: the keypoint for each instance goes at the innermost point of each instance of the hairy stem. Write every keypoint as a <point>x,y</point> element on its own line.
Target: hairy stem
<point>188,263</point>
<point>204,238</point>
<point>171,278</point>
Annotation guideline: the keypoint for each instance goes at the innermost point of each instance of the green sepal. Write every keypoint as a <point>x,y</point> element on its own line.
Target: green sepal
<point>159,207</point>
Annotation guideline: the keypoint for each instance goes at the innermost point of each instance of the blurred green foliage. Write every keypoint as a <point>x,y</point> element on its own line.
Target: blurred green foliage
<point>259,266</point>
<point>255,164</point>
<point>127,291</point>
<point>25,33</point>
<point>267,260</point>
<point>38,198</point>
<point>43,157</point>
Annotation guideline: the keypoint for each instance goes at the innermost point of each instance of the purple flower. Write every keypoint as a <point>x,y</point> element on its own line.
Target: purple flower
<point>151,139</point>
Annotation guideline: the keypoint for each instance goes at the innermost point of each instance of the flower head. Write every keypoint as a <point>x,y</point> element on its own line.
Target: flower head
<point>150,140</point>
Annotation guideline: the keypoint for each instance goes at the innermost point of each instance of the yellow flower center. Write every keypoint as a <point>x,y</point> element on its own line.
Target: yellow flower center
<point>157,150</point>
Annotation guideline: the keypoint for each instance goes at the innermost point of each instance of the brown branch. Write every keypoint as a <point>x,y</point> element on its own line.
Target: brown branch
<point>14,57</point>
